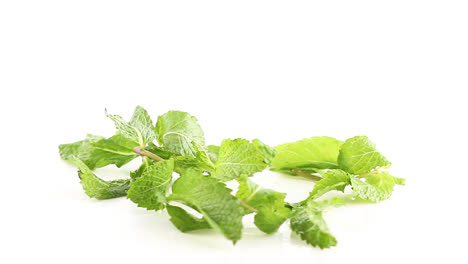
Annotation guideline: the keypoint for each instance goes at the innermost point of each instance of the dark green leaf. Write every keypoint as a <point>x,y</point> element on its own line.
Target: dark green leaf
<point>213,200</point>
<point>307,221</point>
<point>149,190</point>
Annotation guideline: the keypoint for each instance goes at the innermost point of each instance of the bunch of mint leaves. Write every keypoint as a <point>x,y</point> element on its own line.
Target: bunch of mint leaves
<point>176,144</point>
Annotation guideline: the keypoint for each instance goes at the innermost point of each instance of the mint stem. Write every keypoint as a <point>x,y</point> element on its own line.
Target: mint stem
<point>146,153</point>
<point>246,206</point>
<point>306,175</point>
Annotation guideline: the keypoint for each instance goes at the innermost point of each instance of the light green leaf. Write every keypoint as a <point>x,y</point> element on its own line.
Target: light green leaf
<point>269,152</point>
<point>358,155</point>
<point>240,157</point>
<point>184,221</point>
<point>178,132</point>
<point>149,190</point>
<point>99,188</point>
<point>331,180</point>
<point>140,128</point>
<point>307,221</point>
<point>212,199</point>
<point>213,152</point>
<point>269,219</point>
<point>312,153</point>
<point>399,181</point>
<point>117,144</point>
<point>81,149</point>
<point>97,152</point>
<point>375,187</point>
<point>247,190</point>
<point>271,210</point>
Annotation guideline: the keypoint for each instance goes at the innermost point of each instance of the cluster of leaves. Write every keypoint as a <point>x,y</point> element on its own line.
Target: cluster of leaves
<point>176,146</point>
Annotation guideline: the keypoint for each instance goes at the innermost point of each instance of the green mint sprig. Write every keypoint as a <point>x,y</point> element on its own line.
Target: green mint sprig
<point>176,144</point>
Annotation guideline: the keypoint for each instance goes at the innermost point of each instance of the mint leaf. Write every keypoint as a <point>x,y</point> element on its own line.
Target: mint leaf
<point>307,221</point>
<point>358,155</point>
<point>140,128</point>
<point>116,150</point>
<point>184,221</point>
<point>138,172</point>
<point>269,205</point>
<point>312,153</point>
<point>201,162</point>
<point>212,199</point>
<point>272,215</point>
<point>161,152</point>
<point>97,152</point>
<point>399,181</point>
<point>213,152</point>
<point>81,149</point>
<point>98,188</point>
<point>178,132</point>
<point>268,152</point>
<point>240,157</point>
<point>375,187</point>
<point>149,190</point>
<point>331,180</point>
<point>181,148</point>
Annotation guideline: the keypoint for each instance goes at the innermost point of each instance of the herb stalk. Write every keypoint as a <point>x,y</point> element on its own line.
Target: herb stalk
<point>146,153</point>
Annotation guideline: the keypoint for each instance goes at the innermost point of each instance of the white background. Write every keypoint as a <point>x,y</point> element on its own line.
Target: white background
<point>280,71</point>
